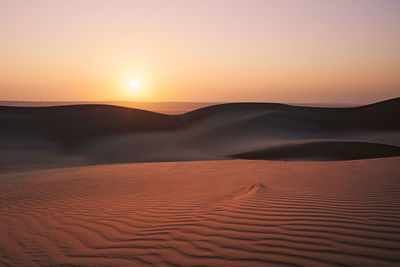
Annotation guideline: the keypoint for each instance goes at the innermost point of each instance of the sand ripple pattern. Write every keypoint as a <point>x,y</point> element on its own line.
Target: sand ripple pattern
<point>215,213</point>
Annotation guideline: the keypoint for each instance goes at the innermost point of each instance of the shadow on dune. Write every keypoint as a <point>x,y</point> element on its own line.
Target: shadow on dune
<point>41,137</point>
<point>323,151</point>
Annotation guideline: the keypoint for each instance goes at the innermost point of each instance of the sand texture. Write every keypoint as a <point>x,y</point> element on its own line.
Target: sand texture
<point>204,213</point>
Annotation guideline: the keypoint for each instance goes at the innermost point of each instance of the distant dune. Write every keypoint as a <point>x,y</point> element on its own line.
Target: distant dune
<point>210,213</point>
<point>59,136</point>
<point>160,107</point>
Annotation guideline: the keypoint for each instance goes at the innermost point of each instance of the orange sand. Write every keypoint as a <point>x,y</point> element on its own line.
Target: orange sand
<point>213,213</point>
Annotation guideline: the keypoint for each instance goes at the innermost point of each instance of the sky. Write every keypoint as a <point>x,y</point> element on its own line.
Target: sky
<point>303,51</point>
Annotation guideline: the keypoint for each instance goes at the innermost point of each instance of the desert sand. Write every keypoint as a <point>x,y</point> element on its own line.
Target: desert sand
<point>240,184</point>
<point>204,213</point>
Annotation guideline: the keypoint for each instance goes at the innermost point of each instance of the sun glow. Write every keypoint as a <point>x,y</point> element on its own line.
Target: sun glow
<point>134,85</point>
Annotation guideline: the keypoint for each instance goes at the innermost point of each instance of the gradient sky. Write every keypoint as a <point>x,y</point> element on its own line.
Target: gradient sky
<point>342,51</point>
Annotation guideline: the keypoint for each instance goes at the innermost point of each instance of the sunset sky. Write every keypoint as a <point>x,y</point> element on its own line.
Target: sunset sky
<point>339,51</point>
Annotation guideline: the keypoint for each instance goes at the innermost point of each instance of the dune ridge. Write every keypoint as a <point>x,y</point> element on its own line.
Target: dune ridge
<point>159,107</point>
<point>210,213</point>
<point>60,136</point>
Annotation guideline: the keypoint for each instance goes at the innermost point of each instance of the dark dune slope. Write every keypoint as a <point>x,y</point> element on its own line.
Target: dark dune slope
<point>111,134</point>
<point>71,125</point>
<point>378,116</point>
<point>323,151</point>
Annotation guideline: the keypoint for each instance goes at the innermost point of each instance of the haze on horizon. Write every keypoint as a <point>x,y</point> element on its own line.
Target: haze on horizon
<point>343,51</point>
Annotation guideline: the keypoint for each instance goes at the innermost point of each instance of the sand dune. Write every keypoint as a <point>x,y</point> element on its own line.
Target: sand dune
<point>200,213</point>
<point>210,213</point>
<point>48,137</point>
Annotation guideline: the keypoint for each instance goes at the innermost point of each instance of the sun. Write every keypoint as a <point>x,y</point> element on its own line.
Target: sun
<point>134,85</point>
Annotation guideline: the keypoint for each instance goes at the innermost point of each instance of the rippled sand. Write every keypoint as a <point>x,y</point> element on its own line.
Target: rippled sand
<point>210,213</point>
